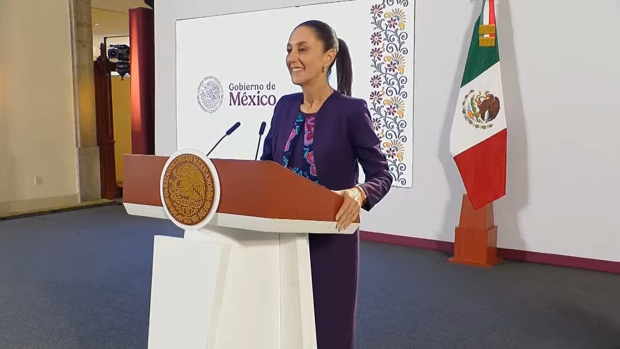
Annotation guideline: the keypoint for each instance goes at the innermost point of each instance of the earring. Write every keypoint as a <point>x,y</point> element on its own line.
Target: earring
<point>323,69</point>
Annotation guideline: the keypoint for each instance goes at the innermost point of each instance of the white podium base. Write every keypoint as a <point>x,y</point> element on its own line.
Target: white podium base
<point>225,288</point>
<point>186,292</point>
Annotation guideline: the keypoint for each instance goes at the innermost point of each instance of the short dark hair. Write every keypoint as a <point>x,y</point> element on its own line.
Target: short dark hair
<point>327,36</point>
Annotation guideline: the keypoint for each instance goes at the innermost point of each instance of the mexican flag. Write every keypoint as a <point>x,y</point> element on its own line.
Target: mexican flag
<point>478,136</point>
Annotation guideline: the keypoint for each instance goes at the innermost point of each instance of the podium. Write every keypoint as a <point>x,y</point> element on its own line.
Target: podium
<point>240,277</point>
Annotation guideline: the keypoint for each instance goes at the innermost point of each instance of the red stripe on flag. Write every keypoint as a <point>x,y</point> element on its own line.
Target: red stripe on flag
<point>483,169</point>
<point>492,14</point>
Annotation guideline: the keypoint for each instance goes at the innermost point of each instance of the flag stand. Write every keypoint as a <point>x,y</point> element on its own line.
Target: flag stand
<point>475,239</point>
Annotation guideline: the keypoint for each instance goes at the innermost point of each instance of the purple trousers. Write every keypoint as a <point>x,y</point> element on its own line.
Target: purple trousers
<point>334,261</point>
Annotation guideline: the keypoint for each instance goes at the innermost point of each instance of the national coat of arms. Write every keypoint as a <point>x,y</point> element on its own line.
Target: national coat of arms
<point>188,189</point>
<point>210,94</point>
<point>480,108</point>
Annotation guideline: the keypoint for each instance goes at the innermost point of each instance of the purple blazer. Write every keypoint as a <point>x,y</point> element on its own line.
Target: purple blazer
<point>343,137</point>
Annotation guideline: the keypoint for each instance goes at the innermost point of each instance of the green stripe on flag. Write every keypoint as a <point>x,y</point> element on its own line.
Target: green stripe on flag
<point>479,58</point>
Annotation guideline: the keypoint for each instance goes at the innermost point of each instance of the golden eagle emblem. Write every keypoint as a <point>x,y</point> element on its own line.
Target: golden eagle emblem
<point>188,189</point>
<point>480,109</point>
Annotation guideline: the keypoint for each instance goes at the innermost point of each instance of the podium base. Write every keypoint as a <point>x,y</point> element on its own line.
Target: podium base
<point>226,288</point>
<point>475,239</point>
<point>475,247</point>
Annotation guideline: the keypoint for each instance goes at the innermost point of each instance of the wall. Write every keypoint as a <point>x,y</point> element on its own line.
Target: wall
<point>122,121</point>
<point>37,132</point>
<point>561,98</point>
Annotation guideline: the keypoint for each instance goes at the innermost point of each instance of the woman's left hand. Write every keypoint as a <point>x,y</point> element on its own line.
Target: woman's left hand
<point>353,200</point>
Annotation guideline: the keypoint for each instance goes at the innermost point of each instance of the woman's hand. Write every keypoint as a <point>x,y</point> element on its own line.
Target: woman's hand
<point>353,200</point>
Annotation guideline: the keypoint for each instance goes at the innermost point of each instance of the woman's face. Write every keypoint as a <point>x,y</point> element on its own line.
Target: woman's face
<point>306,56</point>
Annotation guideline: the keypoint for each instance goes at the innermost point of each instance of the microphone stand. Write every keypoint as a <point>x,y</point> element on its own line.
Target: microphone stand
<point>258,147</point>
<point>228,133</point>
<point>216,144</point>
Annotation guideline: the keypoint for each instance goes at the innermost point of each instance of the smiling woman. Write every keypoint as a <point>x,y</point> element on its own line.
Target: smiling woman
<point>324,135</point>
<point>308,62</point>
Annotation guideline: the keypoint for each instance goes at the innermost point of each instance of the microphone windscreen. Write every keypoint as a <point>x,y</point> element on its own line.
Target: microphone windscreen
<point>233,128</point>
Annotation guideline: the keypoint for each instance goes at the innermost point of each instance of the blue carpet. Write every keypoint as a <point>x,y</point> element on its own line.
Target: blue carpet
<point>81,280</point>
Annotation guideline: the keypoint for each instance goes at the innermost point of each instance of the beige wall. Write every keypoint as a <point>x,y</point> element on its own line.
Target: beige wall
<point>37,133</point>
<point>122,121</point>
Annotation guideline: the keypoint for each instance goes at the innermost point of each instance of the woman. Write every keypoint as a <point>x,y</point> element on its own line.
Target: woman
<point>323,134</point>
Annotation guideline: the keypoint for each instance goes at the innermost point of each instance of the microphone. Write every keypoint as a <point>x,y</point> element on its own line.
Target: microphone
<point>233,128</point>
<point>228,133</point>
<point>260,135</point>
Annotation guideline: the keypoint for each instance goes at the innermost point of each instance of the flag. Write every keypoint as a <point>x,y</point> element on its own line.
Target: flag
<point>478,136</point>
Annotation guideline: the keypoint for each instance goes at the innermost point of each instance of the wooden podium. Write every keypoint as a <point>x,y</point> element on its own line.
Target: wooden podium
<point>240,278</point>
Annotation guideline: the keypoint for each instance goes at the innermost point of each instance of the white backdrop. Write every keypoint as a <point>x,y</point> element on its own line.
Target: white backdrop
<point>539,212</point>
<point>221,58</point>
